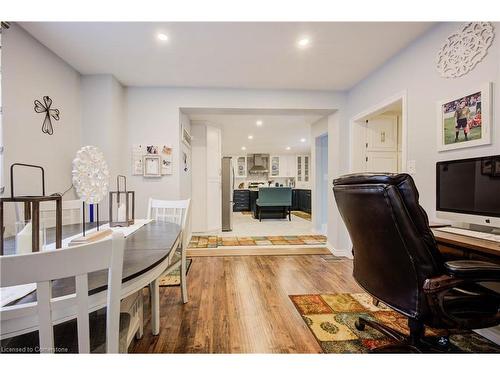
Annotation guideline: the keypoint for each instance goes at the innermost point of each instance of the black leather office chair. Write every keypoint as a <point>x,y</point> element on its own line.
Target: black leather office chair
<point>396,260</point>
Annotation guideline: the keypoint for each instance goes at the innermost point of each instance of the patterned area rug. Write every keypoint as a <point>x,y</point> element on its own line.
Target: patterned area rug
<point>205,242</point>
<point>331,318</point>
<point>302,215</point>
<point>173,278</point>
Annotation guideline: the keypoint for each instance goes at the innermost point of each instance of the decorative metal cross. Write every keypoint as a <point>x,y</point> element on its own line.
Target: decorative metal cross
<point>49,113</point>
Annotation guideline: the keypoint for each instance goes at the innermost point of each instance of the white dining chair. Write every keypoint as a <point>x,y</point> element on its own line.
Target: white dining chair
<point>71,212</point>
<point>174,211</point>
<point>78,261</point>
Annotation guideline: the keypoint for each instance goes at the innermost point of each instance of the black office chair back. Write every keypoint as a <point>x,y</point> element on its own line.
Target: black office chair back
<point>394,249</point>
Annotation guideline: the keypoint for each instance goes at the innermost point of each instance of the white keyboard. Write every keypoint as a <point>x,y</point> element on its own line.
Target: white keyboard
<point>471,233</point>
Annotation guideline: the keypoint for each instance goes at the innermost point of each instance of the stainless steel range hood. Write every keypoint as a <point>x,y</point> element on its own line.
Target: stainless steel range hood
<point>260,164</point>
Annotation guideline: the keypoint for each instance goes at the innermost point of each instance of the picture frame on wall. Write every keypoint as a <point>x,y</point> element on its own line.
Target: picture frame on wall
<point>465,119</point>
<point>152,166</point>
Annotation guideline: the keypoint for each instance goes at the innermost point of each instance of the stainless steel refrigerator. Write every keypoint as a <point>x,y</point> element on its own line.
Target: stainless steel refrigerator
<point>227,193</point>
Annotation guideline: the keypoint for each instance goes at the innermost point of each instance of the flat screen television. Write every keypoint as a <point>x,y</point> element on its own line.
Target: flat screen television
<point>468,190</point>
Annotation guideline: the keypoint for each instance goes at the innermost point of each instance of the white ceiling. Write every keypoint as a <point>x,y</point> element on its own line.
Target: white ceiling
<point>236,55</point>
<point>278,131</point>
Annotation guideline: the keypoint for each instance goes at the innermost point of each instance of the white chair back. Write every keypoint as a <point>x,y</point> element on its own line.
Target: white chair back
<point>171,211</point>
<point>71,212</point>
<point>43,267</point>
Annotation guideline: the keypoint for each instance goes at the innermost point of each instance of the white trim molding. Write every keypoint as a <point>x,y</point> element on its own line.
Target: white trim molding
<point>376,110</point>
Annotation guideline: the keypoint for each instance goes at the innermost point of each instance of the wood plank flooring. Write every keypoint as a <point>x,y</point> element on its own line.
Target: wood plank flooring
<point>241,305</point>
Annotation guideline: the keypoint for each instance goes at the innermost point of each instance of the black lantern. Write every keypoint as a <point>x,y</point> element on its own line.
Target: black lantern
<point>121,205</point>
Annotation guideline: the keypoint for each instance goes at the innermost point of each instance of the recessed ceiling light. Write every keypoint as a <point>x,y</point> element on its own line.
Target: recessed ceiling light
<point>250,136</point>
<point>162,37</point>
<point>303,42</point>
<point>259,123</point>
<point>302,140</point>
<point>288,147</point>
<point>243,148</point>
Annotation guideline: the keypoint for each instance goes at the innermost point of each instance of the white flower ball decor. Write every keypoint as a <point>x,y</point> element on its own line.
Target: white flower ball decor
<point>90,175</point>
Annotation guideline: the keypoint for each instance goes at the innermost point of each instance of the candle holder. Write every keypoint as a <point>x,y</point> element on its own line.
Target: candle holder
<point>121,205</point>
<point>32,209</point>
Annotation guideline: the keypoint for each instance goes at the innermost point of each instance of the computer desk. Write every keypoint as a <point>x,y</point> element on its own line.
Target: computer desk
<point>457,246</point>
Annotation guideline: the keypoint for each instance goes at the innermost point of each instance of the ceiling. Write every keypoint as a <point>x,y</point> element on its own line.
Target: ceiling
<point>236,128</point>
<point>232,55</point>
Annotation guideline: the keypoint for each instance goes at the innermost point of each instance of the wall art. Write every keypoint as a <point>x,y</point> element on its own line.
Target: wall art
<point>163,153</point>
<point>152,165</point>
<point>465,119</point>
<point>50,113</point>
<point>464,49</point>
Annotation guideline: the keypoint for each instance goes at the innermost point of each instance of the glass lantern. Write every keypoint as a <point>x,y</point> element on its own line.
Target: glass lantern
<point>121,205</point>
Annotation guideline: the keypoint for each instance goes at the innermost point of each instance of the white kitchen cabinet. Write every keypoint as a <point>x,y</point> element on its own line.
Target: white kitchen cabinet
<point>282,166</point>
<point>241,166</point>
<point>303,169</point>
<point>276,166</point>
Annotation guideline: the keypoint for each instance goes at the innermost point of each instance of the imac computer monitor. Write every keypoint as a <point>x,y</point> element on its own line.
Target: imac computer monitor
<point>468,190</point>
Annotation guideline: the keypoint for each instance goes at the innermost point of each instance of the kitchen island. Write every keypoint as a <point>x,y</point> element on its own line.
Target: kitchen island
<point>244,200</point>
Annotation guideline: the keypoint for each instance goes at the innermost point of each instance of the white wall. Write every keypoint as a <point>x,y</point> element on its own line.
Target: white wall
<point>413,70</point>
<point>31,71</point>
<point>104,125</point>
<point>153,116</point>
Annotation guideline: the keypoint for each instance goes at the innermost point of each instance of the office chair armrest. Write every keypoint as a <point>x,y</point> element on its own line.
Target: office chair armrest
<point>462,271</point>
<point>473,269</point>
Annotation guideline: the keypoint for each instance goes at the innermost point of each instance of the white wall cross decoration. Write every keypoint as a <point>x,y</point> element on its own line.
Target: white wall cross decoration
<point>463,50</point>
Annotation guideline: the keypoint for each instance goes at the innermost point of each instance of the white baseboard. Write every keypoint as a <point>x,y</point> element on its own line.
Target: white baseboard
<point>339,252</point>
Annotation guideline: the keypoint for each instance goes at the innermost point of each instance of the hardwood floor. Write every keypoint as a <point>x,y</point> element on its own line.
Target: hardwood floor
<point>241,305</point>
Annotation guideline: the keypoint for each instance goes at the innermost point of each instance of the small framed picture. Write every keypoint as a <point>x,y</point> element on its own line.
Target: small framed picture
<point>465,120</point>
<point>152,166</point>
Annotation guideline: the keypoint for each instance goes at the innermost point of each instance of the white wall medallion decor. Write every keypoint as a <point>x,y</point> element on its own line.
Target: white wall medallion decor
<point>90,175</point>
<point>159,160</point>
<point>464,49</point>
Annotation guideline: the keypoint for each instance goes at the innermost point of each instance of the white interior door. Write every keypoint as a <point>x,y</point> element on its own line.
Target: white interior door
<point>382,133</point>
<point>214,191</point>
<point>382,144</point>
<point>382,161</point>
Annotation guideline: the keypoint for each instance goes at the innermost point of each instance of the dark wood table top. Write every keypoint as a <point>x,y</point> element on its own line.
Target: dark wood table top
<point>144,249</point>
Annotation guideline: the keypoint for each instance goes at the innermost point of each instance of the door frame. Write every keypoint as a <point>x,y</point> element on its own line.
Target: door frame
<point>374,111</point>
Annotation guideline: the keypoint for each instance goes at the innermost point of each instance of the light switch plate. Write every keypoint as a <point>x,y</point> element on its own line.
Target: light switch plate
<point>411,166</point>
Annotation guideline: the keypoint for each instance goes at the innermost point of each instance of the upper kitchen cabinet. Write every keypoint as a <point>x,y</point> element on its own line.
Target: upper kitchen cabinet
<point>276,166</point>
<point>303,169</point>
<point>282,166</point>
<point>241,166</point>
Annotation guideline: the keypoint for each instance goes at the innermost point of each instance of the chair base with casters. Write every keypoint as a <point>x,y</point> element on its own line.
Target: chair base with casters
<point>414,343</point>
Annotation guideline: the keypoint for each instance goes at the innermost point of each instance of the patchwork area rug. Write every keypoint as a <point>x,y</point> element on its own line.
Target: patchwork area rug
<point>205,242</point>
<point>331,318</point>
<point>302,215</point>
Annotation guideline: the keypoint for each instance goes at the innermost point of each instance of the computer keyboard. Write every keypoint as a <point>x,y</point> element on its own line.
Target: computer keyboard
<point>471,233</point>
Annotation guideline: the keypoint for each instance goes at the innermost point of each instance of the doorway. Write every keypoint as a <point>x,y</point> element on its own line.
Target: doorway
<point>378,138</point>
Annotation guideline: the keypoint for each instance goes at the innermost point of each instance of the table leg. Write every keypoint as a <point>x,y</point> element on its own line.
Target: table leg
<point>154,289</point>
